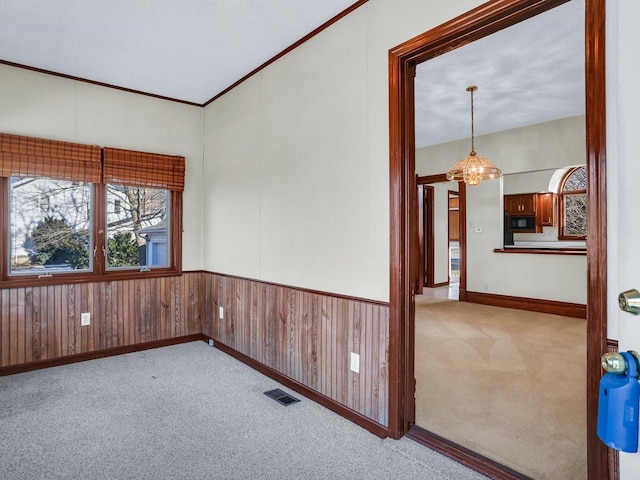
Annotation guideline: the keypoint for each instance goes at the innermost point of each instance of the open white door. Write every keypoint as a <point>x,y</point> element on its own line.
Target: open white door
<point>623,178</point>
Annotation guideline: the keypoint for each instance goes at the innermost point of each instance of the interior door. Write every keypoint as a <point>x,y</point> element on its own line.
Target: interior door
<point>623,120</point>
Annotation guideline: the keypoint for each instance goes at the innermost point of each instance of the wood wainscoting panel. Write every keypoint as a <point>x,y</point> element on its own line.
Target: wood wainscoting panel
<point>306,336</point>
<point>43,323</point>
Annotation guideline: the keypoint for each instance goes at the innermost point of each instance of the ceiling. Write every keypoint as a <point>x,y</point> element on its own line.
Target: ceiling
<point>529,73</point>
<point>191,50</point>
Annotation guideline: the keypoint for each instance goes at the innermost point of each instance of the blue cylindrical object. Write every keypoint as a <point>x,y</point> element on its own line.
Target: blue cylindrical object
<point>618,406</point>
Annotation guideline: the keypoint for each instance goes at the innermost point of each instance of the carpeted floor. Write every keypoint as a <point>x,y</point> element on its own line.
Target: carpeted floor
<point>508,384</point>
<point>187,412</point>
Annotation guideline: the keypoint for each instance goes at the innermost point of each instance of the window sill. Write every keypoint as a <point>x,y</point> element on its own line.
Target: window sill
<point>69,278</point>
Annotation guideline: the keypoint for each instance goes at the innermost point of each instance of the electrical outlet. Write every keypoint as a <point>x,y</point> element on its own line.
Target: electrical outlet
<point>85,319</point>
<point>220,313</point>
<point>355,362</point>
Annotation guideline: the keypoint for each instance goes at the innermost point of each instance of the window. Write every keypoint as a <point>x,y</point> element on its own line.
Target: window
<point>573,205</point>
<point>81,213</point>
<point>49,230</point>
<point>136,230</point>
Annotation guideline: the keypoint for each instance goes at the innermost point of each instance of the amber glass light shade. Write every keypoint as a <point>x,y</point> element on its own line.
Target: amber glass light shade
<point>473,169</point>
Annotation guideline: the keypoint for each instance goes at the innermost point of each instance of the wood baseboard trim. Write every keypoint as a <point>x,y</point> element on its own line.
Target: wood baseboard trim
<point>460,454</point>
<point>575,310</point>
<point>81,357</point>
<point>366,423</point>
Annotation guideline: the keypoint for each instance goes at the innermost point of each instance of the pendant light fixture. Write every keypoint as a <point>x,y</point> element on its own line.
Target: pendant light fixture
<point>473,169</point>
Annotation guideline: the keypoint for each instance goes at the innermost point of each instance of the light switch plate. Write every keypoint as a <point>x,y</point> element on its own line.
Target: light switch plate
<point>220,313</point>
<point>85,319</point>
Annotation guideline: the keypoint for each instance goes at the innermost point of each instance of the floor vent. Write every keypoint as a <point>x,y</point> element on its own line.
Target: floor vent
<point>281,397</point>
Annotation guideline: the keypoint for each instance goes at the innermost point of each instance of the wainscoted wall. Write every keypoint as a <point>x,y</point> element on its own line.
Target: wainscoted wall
<point>43,323</point>
<point>306,336</point>
<point>300,335</point>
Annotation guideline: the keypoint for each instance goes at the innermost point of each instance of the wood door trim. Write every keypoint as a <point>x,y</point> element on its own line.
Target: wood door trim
<point>463,455</point>
<point>484,20</point>
<point>595,74</point>
<point>462,242</point>
<point>429,237</point>
<point>421,279</point>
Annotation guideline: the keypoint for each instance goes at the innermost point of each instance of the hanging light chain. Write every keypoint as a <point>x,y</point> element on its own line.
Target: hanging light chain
<point>473,169</point>
<point>472,89</point>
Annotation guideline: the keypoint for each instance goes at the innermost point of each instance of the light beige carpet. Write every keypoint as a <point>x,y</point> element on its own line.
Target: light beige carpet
<point>508,384</point>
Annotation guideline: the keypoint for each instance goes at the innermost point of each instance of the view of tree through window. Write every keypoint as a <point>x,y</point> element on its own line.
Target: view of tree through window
<point>50,225</point>
<point>83,213</point>
<point>137,233</point>
<point>573,201</point>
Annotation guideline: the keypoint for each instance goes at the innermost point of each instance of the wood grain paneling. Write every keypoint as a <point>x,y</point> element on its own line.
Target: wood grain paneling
<point>43,323</point>
<point>305,336</point>
<point>302,335</point>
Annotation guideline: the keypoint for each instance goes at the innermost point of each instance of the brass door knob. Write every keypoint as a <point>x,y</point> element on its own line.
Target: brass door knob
<point>629,301</point>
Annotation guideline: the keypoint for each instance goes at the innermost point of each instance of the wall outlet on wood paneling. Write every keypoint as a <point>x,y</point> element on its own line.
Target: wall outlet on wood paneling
<point>85,319</point>
<point>220,313</point>
<point>355,362</point>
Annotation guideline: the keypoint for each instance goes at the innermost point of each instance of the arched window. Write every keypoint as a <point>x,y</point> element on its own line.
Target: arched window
<point>573,205</point>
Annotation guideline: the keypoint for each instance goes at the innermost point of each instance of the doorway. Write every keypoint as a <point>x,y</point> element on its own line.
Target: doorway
<point>480,22</point>
<point>440,238</point>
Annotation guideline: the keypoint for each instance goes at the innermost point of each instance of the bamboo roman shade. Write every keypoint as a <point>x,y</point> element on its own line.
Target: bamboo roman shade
<point>36,157</point>
<point>143,169</point>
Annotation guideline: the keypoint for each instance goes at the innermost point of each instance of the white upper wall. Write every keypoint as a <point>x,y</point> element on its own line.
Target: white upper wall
<point>296,158</point>
<point>46,106</point>
<point>542,146</point>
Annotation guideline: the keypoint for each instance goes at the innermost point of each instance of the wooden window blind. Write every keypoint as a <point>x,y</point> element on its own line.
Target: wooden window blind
<point>143,169</point>
<point>36,157</point>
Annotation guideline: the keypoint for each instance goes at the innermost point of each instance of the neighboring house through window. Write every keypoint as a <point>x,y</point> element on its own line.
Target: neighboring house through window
<point>57,220</point>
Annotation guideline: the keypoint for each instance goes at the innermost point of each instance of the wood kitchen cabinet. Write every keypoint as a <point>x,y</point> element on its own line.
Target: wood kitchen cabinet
<point>540,205</point>
<point>546,209</point>
<point>520,204</point>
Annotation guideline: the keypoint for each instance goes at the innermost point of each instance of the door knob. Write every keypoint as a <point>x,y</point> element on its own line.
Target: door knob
<point>613,362</point>
<point>629,301</point>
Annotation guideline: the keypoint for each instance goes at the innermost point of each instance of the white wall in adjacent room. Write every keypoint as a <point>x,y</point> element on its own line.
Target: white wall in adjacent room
<point>537,149</point>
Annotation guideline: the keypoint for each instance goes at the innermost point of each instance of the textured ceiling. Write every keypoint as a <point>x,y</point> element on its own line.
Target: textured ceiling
<point>530,73</point>
<point>184,49</point>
